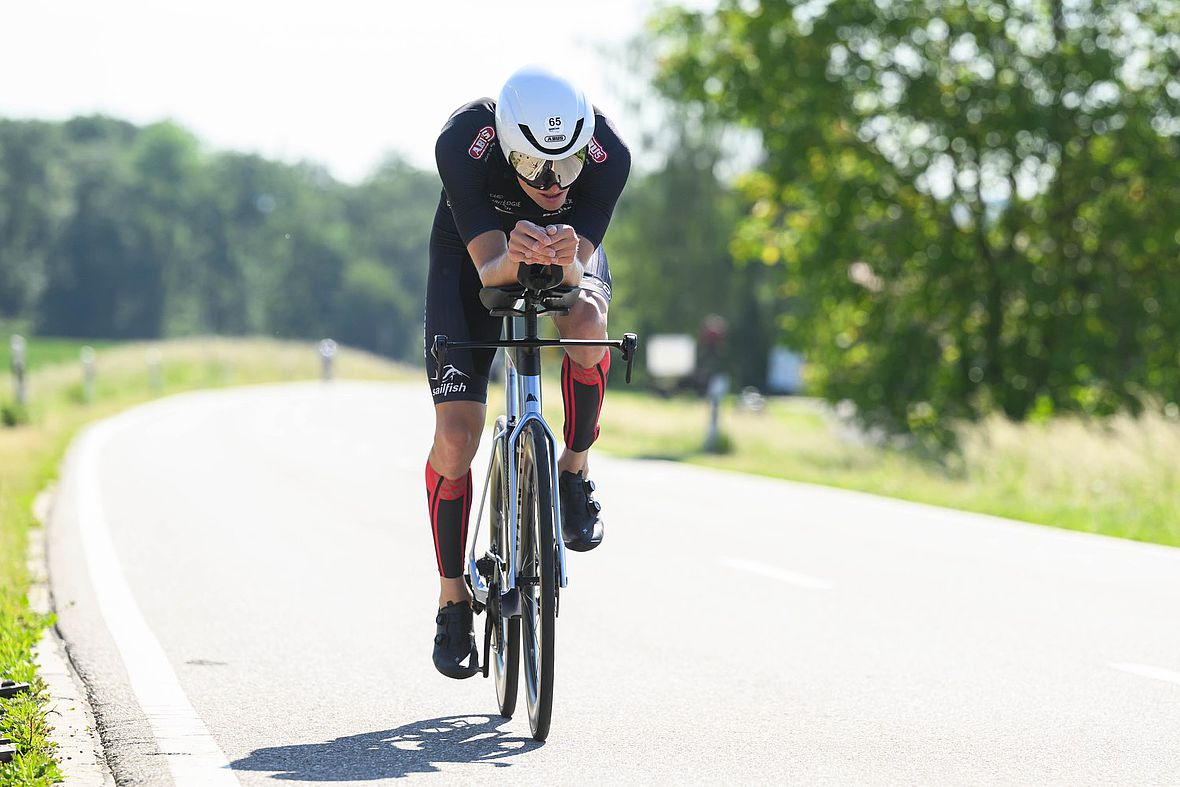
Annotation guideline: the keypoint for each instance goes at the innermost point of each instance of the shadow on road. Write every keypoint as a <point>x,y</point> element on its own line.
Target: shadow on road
<point>411,748</point>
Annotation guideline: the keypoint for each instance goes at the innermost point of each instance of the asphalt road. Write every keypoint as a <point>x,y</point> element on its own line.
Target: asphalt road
<point>245,580</point>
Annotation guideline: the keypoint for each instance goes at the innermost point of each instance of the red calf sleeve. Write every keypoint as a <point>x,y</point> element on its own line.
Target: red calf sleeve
<point>582,391</point>
<point>449,502</point>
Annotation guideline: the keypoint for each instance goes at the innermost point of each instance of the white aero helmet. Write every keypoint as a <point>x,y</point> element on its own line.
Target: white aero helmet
<point>544,123</point>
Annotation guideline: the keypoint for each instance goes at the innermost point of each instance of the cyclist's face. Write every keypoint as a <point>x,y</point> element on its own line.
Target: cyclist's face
<point>551,198</point>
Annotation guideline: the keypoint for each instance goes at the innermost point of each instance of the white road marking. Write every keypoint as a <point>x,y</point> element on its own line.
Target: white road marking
<point>781,574</point>
<point>1148,671</point>
<point>192,754</point>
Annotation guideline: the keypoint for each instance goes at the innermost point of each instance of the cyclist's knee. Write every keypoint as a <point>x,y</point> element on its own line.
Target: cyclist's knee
<point>586,320</point>
<point>457,432</point>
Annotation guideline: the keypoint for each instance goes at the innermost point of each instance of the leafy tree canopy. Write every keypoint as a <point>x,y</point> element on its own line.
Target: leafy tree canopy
<point>972,203</point>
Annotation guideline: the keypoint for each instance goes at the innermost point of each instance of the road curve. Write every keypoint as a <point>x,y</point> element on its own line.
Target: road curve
<point>245,581</point>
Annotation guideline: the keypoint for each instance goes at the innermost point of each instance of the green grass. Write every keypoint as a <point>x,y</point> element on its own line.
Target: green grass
<point>30,453</point>
<point>1118,477</point>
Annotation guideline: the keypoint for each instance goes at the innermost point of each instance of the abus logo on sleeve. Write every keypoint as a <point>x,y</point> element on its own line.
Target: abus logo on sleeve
<point>596,151</point>
<point>479,145</point>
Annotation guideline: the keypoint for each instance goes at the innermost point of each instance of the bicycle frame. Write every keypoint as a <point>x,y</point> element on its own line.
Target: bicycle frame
<point>518,388</point>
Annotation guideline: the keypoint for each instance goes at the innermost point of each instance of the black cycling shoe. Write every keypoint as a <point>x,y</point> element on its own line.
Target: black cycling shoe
<point>581,526</point>
<point>455,641</point>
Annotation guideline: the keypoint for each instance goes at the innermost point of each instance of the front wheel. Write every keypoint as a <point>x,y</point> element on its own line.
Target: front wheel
<point>536,576</point>
<point>505,652</point>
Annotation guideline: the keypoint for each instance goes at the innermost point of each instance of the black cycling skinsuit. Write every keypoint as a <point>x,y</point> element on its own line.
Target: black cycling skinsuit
<point>481,193</point>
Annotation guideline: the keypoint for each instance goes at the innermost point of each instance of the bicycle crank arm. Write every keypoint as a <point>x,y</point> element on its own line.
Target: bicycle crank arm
<point>487,645</point>
<point>510,604</point>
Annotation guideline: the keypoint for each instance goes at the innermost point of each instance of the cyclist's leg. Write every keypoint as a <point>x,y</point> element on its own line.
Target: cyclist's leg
<point>583,386</point>
<point>460,396</point>
<point>457,429</point>
<point>584,369</point>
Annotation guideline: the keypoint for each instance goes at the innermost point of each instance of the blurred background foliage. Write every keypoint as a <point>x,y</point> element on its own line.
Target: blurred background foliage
<point>970,205</point>
<point>113,231</point>
<point>956,209</point>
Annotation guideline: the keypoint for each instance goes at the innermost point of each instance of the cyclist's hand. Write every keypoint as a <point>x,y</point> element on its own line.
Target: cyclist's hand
<point>529,243</point>
<point>563,242</point>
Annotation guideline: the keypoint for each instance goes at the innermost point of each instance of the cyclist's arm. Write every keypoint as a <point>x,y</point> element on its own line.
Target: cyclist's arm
<point>573,274</point>
<point>498,267</point>
<point>489,252</point>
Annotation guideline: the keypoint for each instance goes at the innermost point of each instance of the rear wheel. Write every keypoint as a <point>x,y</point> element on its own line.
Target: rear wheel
<point>536,577</point>
<point>505,652</point>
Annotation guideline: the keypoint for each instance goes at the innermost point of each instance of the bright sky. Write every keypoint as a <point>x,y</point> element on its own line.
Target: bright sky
<point>340,83</point>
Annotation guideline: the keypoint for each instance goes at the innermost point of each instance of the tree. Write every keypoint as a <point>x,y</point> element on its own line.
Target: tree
<point>103,278</point>
<point>385,283</point>
<point>970,201</point>
<point>669,250</point>
<point>28,218</point>
<point>669,240</point>
<point>165,190</point>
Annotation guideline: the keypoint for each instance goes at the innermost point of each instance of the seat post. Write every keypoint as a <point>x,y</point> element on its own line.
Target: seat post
<point>530,321</point>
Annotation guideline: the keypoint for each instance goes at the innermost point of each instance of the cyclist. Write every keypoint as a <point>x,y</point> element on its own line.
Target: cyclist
<point>531,177</point>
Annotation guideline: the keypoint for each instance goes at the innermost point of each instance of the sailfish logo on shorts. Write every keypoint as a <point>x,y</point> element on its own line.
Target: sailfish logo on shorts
<point>450,382</point>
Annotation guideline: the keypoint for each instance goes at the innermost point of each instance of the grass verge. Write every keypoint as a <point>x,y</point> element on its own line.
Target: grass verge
<point>29,455</point>
<point>1117,476</point>
<point>48,351</point>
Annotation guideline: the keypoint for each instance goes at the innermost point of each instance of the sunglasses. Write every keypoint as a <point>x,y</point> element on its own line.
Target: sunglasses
<point>542,173</point>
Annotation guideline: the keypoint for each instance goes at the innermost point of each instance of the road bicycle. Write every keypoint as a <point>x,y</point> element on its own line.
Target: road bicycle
<point>518,579</point>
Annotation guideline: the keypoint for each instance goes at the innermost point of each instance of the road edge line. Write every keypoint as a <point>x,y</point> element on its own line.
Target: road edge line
<point>194,757</point>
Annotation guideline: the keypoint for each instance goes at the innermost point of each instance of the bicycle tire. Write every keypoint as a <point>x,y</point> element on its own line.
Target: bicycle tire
<point>506,662</point>
<point>538,567</point>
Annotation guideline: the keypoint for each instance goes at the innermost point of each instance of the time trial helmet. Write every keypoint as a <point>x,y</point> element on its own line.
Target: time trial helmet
<point>544,123</point>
